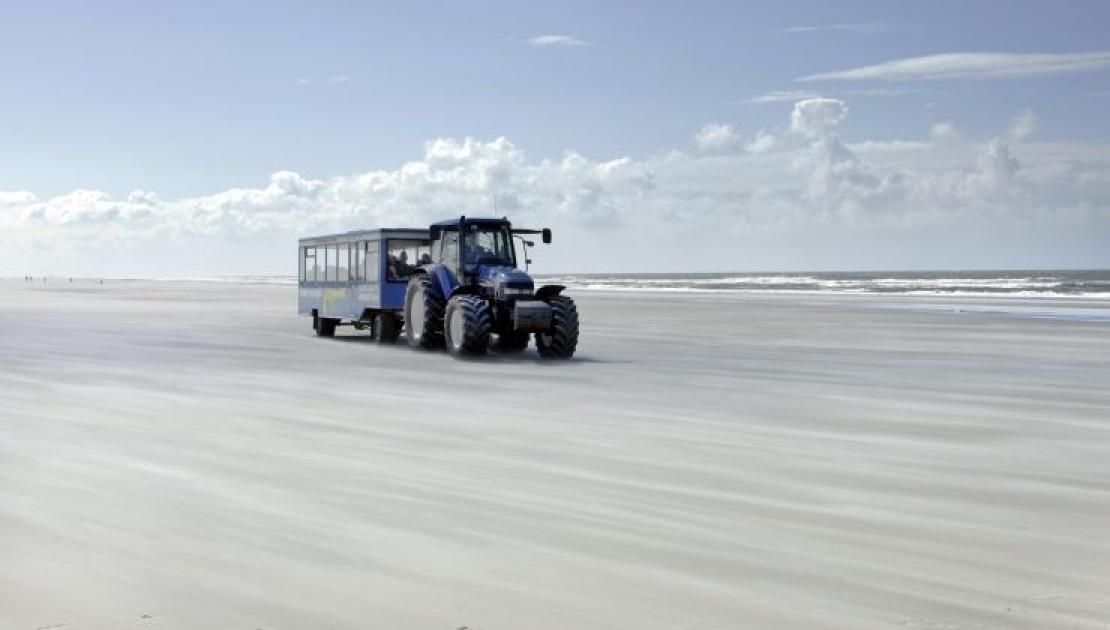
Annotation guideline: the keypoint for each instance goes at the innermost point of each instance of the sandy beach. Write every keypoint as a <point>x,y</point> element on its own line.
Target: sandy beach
<point>188,455</point>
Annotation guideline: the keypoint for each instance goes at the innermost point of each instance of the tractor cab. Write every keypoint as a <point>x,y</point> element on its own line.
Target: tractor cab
<point>481,252</point>
<point>473,289</point>
<point>467,244</point>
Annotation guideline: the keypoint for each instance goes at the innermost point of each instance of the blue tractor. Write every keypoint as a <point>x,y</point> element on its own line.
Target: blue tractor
<point>470,296</point>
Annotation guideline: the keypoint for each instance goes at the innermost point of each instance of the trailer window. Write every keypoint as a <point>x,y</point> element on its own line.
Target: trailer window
<point>372,266</point>
<point>404,256</point>
<point>308,265</point>
<point>358,261</point>
<point>343,264</point>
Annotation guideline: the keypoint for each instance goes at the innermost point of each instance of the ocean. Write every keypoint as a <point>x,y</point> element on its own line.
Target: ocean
<point>1091,283</point>
<point>1032,283</point>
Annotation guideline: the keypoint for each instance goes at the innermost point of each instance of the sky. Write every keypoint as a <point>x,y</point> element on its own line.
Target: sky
<point>180,139</point>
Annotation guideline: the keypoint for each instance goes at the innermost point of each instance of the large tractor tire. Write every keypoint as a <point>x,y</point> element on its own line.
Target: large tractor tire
<point>562,339</point>
<point>467,325</point>
<point>423,313</point>
<point>512,341</point>
<point>386,328</point>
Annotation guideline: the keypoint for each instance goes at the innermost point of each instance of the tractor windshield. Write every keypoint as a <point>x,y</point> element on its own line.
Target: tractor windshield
<point>488,244</point>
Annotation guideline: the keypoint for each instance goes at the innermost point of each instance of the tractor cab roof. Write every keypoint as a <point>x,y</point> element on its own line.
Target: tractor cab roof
<point>452,224</point>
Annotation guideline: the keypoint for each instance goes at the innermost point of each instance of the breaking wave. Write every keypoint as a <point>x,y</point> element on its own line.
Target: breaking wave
<point>1089,284</point>
<point>1070,283</point>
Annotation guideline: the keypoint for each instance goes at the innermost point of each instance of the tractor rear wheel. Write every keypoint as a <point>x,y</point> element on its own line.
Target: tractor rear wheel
<point>386,328</point>
<point>511,341</point>
<point>560,341</point>
<point>467,325</point>
<point>423,313</point>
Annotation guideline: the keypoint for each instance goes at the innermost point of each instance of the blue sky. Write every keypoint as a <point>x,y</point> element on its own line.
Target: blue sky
<point>188,100</point>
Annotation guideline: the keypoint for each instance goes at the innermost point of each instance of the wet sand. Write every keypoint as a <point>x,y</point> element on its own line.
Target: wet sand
<point>188,455</point>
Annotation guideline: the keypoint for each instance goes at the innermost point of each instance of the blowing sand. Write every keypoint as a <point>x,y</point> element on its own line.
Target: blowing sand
<point>188,455</point>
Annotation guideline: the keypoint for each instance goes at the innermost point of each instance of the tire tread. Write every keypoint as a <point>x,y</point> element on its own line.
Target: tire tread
<point>564,329</point>
<point>434,310</point>
<point>478,322</point>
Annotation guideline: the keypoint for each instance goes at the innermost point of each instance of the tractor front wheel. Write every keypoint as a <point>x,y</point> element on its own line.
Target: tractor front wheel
<point>467,325</point>
<point>560,341</point>
<point>423,313</point>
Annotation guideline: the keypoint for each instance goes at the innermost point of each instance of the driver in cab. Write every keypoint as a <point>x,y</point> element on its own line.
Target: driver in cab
<point>474,250</point>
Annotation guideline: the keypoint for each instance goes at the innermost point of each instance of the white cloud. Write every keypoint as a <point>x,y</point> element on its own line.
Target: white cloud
<point>783,96</point>
<point>876,92</point>
<point>817,116</point>
<point>859,27</point>
<point>1022,126</point>
<point>944,133</point>
<point>611,214</point>
<point>143,197</point>
<point>20,198</point>
<point>557,40</point>
<point>970,66</point>
<point>716,137</point>
<point>337,79</point>
<point>761,143</point>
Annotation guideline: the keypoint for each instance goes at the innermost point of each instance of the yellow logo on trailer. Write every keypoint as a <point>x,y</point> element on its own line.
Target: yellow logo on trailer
<point>331,296</point>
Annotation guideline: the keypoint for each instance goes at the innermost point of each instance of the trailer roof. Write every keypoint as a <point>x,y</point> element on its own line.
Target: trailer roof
<point>368,234</point>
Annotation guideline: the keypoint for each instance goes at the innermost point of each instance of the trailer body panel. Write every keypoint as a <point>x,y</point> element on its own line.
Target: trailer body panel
<point>350,276</point>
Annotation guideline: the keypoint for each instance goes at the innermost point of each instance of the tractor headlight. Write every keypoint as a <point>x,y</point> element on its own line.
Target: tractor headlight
<point>509,291</point>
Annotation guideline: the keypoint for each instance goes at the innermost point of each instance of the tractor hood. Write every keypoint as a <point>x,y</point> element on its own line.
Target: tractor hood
<point>503,277</point>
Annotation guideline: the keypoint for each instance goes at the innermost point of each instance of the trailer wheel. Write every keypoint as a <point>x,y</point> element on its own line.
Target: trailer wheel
<point>467,325</point>
<point>512,341</point>
<point>325,326</point>
<point>562,339</point>
<point>386,329</point>
<point>423,313</point>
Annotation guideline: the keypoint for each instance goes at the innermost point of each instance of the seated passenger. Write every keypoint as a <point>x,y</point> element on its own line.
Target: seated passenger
<point>404,270</point>
<point>425,258</point>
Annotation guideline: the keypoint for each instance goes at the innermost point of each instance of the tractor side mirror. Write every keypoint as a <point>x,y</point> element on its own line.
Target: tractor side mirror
<point>546,235</point>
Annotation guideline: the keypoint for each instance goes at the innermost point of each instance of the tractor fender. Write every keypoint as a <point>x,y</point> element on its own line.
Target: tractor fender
<point>549,291</point>
<point>442,278</point>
